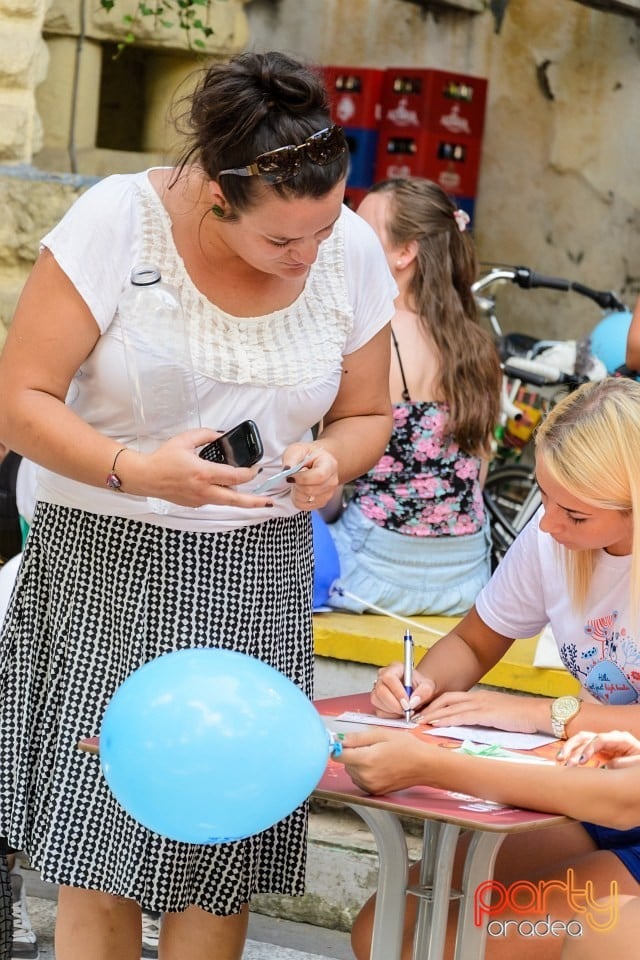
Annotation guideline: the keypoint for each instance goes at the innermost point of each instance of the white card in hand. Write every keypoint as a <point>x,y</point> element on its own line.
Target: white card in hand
<point>274,480</point>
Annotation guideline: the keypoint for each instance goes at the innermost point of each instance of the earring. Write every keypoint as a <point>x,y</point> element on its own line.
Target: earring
<point>399,263</point>
<point>217,210</point>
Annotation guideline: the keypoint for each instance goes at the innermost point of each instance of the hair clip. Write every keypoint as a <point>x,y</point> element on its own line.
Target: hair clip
<point>462,218</point>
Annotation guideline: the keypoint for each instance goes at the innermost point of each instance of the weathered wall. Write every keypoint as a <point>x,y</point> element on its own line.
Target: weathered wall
<point>23,64</point>
<point>53,55</point>
<point>558,188</point>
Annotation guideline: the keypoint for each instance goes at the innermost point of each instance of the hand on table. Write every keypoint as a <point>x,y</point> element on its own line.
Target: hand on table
<point>617,748</point>
<point>485,708</point>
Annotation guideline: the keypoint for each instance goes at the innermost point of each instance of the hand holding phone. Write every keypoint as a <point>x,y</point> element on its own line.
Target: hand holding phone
<point>239,447</point>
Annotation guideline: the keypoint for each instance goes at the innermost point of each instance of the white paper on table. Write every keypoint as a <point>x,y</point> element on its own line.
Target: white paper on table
<point>500,738</point>
<point>373,720</point>
<point>483,750</point>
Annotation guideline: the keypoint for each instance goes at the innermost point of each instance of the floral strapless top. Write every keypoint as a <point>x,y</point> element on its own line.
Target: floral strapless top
<point>423,485</point>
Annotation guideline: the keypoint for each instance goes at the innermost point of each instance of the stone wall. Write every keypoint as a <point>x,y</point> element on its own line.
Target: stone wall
<point>558,187</point>
<point>23,65</point>
<point>32,202</point>
<point>70,112</point>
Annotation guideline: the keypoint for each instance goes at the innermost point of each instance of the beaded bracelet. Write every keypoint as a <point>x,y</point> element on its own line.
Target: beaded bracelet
<point>113,480</point>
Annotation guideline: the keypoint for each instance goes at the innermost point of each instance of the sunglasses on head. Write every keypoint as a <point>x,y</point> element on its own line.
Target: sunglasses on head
<point>320,148</point>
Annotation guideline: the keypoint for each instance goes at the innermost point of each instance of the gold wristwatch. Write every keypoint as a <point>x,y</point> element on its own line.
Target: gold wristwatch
<point>562,710</point>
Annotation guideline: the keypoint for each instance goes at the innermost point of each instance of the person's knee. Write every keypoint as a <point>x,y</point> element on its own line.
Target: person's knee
<point>623,929</point>
<point>96,902</point>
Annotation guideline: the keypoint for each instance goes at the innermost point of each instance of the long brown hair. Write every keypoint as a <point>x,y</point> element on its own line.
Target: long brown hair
<point>440,293</point>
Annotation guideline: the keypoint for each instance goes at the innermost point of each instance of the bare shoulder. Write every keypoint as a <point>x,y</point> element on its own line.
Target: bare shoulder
<point>419,357</point>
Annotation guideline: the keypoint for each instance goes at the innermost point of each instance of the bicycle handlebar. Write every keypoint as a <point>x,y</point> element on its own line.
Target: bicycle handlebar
<point>528,279</point>
<point>604,298</point>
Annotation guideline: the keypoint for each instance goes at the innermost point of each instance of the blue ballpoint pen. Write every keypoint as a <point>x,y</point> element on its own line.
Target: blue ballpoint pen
<point>408,670</point>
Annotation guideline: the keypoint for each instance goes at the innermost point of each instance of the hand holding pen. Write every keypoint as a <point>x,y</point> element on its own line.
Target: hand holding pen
<point>400,689</point>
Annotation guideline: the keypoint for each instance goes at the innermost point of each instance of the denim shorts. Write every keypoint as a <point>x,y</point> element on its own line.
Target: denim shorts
<point>410,576</point>
<point>624,843</point>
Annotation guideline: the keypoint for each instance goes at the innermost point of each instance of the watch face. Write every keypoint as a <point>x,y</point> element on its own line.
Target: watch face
<point>565,707</point>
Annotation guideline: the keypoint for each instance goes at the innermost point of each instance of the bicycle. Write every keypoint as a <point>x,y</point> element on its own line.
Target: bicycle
<point>511,495</point>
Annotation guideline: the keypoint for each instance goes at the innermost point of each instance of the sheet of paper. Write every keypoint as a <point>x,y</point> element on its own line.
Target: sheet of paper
<point>498,753</point>
<point>501,738</point>
<point>372,720</point>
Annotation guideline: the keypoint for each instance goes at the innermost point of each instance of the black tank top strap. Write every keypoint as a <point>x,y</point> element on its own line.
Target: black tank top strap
<point>405,392</point>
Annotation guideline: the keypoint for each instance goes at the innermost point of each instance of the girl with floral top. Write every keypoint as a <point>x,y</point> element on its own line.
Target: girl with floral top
<point>413,538</point>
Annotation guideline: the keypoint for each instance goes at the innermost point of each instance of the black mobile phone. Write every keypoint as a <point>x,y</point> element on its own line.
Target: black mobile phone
<point>240,447</point>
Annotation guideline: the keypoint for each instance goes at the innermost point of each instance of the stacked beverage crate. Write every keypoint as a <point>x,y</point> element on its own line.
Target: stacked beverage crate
<point>431,125</point>
<point>355,94</point>
<point>404,121</point>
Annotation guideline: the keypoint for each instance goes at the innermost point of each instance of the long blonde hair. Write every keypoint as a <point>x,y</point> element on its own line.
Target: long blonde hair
<point>590,444</point>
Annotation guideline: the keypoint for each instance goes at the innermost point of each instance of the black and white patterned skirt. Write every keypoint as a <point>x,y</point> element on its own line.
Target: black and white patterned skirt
<point>95,598</point>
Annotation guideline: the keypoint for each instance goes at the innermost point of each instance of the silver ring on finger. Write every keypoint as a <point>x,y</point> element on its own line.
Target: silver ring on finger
<point>310,499</point>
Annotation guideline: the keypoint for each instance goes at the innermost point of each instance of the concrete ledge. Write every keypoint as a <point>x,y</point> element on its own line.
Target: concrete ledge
<point>374,641</point>
<point>342,869</point>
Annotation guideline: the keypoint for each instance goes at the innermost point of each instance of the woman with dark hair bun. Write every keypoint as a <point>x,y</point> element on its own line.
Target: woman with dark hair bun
<point>286,299</point>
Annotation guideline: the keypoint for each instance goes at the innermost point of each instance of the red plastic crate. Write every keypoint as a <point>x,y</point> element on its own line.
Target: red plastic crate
<point>436,100</point>
<point>355,94</point>
<point>452,162</point>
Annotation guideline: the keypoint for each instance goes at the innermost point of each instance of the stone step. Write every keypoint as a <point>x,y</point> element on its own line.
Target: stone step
<point>342,870</point>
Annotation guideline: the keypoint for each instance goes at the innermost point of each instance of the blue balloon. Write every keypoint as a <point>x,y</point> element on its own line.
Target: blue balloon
<point>609,339</point>
<point>210,745</point>
<point>327,561</point>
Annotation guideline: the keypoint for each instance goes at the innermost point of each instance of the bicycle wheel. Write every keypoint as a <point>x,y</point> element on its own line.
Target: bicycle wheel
<point>511,497</point>
<point>6,908</point>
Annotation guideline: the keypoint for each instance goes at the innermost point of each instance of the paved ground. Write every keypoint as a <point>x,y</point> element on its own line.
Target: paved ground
<point>269,938</point>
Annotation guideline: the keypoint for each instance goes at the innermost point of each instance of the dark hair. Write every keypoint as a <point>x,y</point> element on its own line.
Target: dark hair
<point>254,103</point>
<point>440,293</point>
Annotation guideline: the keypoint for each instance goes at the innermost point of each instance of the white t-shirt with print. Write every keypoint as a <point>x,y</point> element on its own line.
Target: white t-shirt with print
<point>599,645</point>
